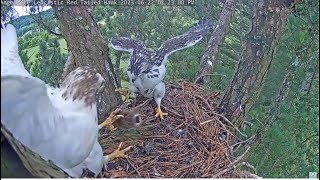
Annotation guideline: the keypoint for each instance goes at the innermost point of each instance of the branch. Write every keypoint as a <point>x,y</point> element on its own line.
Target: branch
<point>209,57</point>
<point>203,75</point>
<point>39,20</point>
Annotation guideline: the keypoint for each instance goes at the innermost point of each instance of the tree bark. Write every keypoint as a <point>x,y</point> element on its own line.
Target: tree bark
<point>209,57</point>
<point>87,45</point>
<point>68,66</point>
<point>268,22</point>
<point>117,67</point>
<point>40,22</point>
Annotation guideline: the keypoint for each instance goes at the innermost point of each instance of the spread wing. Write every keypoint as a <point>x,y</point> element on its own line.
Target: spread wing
<point>28,113</point>
<point>186,40</point>
<point>139,61</point>
<point>126,44</point>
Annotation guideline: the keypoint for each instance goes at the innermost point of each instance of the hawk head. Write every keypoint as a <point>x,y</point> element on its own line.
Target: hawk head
<point>82,84</point>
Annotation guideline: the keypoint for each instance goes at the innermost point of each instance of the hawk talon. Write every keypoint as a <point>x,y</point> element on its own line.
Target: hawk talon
<point>118,153</point>
<point>160,113</point>
<point>124,92</point>
<point>111,119</point>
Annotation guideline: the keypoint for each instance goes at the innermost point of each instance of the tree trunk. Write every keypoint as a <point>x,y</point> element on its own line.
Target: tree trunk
<point>87,45</point>
<point>209,57</point>
<point>117,67</point>
<point>68,66</point>
<point>268,22</point>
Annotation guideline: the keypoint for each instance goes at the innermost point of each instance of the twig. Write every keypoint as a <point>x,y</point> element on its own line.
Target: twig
<point>249,166</point>
<point>129,161</point>
<point>224,118</point>
<point>232,165</point>
<point>241,142</point>
<point>250,175</point>
<point>205,122</point>
<point>39,20</point>
<point>173,112</point>
<point>208,75</point>
<point>143,104</point>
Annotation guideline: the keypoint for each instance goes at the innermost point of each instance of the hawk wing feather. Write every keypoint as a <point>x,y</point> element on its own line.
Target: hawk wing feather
<point>185,40</point>
<point>17,94</point>
<point>142,61</point>
<point>126,44</point>
<point>28,113</point>
<point>138,53</point>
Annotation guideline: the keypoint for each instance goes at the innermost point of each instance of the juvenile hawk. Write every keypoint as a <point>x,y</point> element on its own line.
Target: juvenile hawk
<point>146,69</point>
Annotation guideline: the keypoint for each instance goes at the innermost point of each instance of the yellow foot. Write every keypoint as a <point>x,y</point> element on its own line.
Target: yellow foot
<point>118,153</point>
<point>110,120</point>
<point>160,113</point>
<point>124,92</point>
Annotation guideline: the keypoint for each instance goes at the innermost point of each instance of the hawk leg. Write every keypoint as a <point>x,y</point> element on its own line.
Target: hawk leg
<point>111,119</point>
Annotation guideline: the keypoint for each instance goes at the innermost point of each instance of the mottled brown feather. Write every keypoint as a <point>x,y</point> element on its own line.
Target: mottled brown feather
<point>81,84</point>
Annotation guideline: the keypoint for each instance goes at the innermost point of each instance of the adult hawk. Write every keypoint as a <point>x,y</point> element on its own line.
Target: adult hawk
<point>58,124</point>
<point>146,69</point>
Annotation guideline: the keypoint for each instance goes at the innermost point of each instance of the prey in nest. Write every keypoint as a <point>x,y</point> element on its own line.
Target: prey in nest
<point>191,142</point>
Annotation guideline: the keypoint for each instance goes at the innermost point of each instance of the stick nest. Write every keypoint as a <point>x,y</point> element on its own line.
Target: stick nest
<point>191,142</point>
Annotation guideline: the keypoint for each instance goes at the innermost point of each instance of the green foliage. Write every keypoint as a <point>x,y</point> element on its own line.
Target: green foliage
<point>42,55</point>
<point>291,146</point>
<point>50,62</point>
<point>33,39</point>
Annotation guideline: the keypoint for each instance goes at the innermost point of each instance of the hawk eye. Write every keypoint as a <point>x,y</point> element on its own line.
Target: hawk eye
<point>102,84</point>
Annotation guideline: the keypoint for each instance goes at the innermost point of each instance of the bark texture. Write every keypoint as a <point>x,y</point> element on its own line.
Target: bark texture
<point>209,57</point>
<point>268,22</point>
<point>87,45</point>
<point>68,66</point>
<point>117,67</point>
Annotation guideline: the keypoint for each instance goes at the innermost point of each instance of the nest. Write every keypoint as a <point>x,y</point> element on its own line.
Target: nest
<point>191,142</point>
